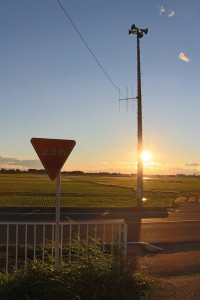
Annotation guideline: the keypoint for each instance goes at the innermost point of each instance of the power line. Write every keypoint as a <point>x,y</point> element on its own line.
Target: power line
<point>89,49</point>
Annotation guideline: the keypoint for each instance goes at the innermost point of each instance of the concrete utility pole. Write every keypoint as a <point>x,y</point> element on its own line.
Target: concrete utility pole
<point>139,192</point>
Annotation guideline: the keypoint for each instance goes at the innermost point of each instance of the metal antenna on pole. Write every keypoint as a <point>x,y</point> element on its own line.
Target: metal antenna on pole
<point>139,192</point>
<point>126,99</point>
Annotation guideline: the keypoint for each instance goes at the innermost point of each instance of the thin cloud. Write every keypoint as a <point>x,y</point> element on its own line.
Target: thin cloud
<point>161,10</point>
<point>192,165</point>
<point>171,13</point>
<point>183,57</point>
<point>14,162</point>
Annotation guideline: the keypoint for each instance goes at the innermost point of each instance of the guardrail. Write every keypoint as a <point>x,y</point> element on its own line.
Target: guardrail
<point>21,241</point>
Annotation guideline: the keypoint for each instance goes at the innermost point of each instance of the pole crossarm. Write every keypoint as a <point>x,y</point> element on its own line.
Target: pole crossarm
<point>124,99</point>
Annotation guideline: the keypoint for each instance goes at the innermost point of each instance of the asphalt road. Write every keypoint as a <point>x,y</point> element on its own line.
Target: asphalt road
<point>28,214</point>
<point>181,224</point>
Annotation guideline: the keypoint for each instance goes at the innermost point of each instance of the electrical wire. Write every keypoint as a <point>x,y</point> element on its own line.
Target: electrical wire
<point>89,49</point>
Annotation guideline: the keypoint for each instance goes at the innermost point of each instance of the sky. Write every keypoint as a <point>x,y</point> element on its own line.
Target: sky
<point>61,72</point>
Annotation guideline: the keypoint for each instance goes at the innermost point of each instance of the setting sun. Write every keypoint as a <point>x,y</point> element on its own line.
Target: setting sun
<point>146,156</point>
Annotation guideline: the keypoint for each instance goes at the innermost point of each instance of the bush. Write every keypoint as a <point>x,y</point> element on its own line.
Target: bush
<point>96,275</point>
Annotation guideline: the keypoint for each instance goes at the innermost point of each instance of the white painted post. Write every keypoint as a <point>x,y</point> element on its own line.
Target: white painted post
<point>57,231</point>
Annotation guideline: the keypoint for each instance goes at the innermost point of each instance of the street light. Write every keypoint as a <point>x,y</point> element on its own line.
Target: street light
<point>139,192</point>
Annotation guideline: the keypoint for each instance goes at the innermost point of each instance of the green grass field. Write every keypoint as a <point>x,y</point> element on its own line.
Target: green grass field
<point>94,190</point>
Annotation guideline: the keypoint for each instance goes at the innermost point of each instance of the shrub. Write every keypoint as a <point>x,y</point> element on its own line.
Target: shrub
<point>96,275</point>
<point>180,199</point>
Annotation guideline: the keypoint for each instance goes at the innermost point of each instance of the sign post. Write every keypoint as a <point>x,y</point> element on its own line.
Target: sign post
<point>53,153</point>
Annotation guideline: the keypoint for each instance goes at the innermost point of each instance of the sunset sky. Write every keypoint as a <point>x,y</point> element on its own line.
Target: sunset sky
<point>53,87</point>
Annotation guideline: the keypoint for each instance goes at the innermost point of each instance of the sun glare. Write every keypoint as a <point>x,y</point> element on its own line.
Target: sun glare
<point>146,156</point>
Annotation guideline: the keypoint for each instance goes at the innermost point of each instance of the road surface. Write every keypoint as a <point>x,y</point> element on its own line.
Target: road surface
<point>179,224</point>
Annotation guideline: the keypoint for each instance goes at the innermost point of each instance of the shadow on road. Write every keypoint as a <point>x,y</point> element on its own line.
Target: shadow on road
<point>134,228</point>
<point>177,247</point>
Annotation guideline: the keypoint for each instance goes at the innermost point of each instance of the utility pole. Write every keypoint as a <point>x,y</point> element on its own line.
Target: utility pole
<point>139,191</point>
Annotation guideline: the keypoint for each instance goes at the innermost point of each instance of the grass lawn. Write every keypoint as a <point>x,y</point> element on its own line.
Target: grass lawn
<point>94,190</point>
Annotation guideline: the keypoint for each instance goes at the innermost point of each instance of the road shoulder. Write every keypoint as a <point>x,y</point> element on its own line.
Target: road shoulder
<point>174,288</point>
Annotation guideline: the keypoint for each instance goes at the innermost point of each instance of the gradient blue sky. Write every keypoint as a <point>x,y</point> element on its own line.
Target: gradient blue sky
<point>52,87</point>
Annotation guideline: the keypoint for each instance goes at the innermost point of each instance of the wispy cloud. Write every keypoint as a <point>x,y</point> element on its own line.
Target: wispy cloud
<point>171,13</point>
<point>192,165</point>
<point>18,163</point>
<point>183,57</point>
<point>161,10</point>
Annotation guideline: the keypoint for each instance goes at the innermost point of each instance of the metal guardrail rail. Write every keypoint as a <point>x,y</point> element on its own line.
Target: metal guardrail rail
<point>21,241</point>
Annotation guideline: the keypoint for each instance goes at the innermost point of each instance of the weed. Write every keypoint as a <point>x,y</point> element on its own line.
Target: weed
<point>96,275</point>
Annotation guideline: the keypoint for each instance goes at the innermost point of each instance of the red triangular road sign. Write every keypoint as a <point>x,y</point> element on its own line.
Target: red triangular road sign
<point>52,153</point>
